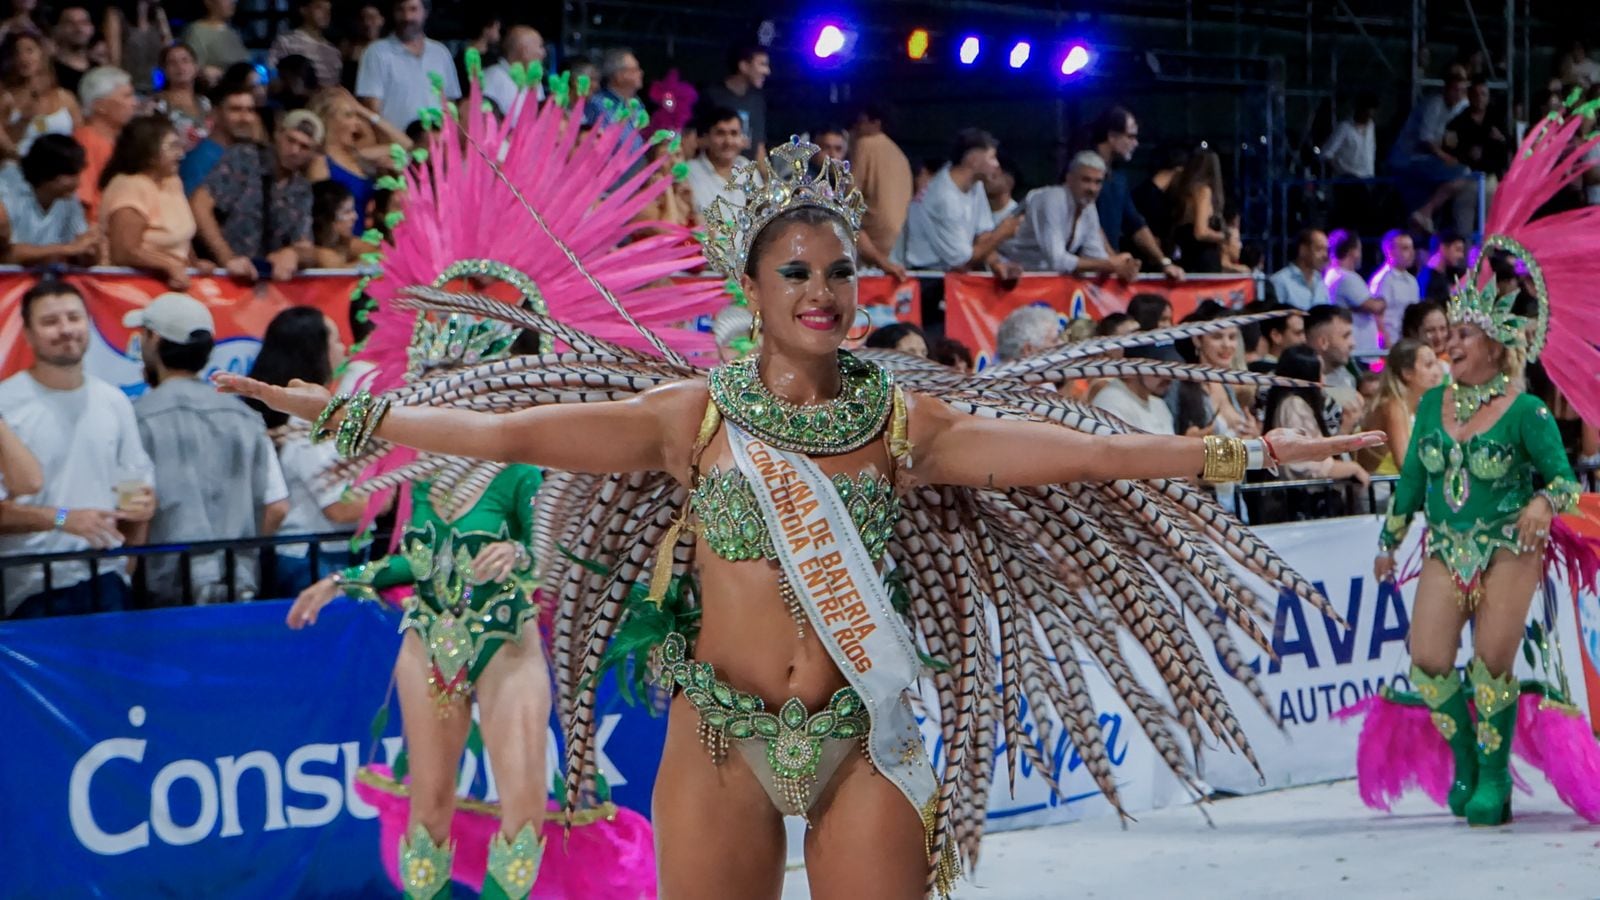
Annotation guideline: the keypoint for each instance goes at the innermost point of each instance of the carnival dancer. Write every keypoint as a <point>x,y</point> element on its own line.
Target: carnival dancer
<point>1487,468</point>
<point>785,483</point>
<point>471,621</point>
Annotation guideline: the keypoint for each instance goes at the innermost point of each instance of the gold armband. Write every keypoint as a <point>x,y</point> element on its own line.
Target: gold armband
<point>1226,459</point>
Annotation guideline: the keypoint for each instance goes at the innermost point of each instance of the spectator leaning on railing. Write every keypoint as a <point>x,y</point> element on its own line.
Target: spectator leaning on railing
<point>1060,229</point>
<point>215,468</point>
<point>253,212</point>
<point>41,220</point>
<point>96,491</point>
<point>1299,284</point>
<point>950,227</point>
<point>147,220</point>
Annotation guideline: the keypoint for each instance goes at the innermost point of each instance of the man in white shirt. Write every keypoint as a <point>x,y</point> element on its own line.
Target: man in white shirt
<point>1352,149</point>
<point>721,138</point>
<point>393,79</point>
<point>1348,289</point>
<point>1061,232</point>
<point>1000,187</point>
<point>522,45</point>
<point>1300,284</point>
<point>950,228</point>
<point>1394,283</point>
<point>82,430</point>
<point>1141,401</point>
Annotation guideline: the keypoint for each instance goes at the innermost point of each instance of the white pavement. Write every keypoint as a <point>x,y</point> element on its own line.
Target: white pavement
<point>1310,842</point>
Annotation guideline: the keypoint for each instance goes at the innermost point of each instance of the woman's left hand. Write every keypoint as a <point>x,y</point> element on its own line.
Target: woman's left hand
<point>1290,446</point>
<point>1533,526</point>
<point>495,562</point>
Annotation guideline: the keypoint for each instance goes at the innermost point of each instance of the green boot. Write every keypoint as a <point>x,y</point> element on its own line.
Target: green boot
<point>425,866</point>
<point>1444,696</point>
<point>513,865</point>
<point>1496,699</point>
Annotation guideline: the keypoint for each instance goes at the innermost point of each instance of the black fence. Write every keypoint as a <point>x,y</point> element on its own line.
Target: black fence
<point>263,551</point>
<point>1259,502</point>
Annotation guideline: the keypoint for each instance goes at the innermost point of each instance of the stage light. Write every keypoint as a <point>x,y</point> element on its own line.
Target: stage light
<point>917,44</point>
<point>1076,60</point>
<point>969,50</point>
<point>830,40</point>
<point>1019,54</point>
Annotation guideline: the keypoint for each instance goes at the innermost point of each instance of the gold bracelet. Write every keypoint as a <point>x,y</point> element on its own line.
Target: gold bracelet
<point>1226,459</point>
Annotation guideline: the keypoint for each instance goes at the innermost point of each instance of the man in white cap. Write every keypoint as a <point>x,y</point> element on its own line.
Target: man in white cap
<point>215,468</point>
<point>82,431</point>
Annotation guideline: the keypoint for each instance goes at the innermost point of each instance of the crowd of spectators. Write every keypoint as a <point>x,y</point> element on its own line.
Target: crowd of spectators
<point>126,142</point>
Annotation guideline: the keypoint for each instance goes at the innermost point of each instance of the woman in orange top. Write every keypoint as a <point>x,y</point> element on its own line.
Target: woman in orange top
<point>142,207</point>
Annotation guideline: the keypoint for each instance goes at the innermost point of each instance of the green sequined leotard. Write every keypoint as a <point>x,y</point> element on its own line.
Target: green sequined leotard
<point>461,624</point>
<point>1473,492</point>
<point>734,529</point>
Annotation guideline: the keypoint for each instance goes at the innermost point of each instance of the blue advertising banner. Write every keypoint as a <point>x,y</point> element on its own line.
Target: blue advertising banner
<point>212,752</point>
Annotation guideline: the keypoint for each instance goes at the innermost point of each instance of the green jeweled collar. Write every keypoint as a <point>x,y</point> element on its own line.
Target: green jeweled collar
<point>1469,398</point>
<point>846,423</point>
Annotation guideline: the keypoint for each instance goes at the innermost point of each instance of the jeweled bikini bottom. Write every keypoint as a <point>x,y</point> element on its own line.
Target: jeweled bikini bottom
<point>793,753</point>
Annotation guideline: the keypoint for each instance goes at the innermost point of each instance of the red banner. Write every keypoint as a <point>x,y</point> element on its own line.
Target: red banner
<point>1586,607</point>
<point>975,305</point>
<point>241,311</point>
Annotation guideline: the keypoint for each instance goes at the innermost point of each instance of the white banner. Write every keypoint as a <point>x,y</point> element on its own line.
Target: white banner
<point>1321,667</point>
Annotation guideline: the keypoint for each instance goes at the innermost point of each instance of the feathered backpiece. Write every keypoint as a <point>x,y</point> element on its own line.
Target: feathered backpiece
<point>1558,254</point>
<point>1063,570</point>
<point>464,222</point>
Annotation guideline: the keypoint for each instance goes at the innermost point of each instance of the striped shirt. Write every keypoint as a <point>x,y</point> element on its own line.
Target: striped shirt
<point>323,55</point>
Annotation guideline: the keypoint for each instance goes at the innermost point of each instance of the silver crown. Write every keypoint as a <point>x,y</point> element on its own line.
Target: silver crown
<point>731,228</point>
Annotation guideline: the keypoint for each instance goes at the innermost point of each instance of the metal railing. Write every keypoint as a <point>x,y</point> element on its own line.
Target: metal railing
<point>106,561</point>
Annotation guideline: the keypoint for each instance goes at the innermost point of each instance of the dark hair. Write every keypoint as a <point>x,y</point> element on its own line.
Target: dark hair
<point>873,111</point>
<point>1366,100</point>
<point>359,317</point>
<point>166,52</point>
<point>1171,156</point>
<point>1108,326</point>
<point>887,337</point>
<point>236,78</point>
<point>1206,311</point>
<point>185,356</point>
<point>417,133</point>
<point>296,68</point>
<point>1411,320</point>
<point>294,346</point>
<point>326,198</point>
<point>1343,241</point>
<point>8,56</point>
<point>1146,309</point>
<point>1442,238</point>
<point>50,157</point>
<point>1113,120</point>
<point>1302,362</point>
<point>1303,238</point>
<point>931,164</point>
<point>828,128</point>
<point>1251,254</point>
<point>799,215</point>
<point>968,140</point>
<point>138,147</point>
<point>740,54</point>
<point>48,286</point>
<point>1323,314</point>
<point>948,351</point>
<point>710,115</point>
<point>1270,327</point>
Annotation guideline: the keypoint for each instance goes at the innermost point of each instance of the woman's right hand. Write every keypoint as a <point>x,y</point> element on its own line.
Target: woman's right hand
<point>310,602</point>
<point>301,399</point>
<point>1383,567</point>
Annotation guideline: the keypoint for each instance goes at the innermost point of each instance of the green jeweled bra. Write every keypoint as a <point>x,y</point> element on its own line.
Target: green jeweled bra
<point>734,529</point>
<point>848,422</point>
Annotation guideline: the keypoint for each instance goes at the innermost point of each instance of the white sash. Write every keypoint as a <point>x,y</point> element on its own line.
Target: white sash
<point>827,565</point>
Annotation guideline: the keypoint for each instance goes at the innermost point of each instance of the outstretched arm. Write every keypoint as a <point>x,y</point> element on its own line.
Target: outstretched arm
<point>950,447</point>
<point>643,433</point>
